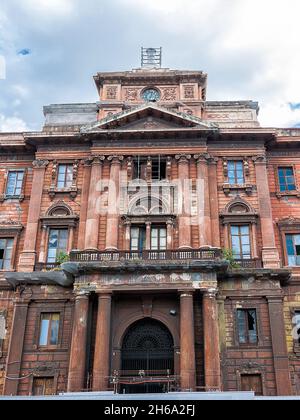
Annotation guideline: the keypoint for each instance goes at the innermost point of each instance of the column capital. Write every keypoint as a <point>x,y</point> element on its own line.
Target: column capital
<point>115,159</point>
<point>40,164</point>
<point>186,294</point>
<point>82,294</point>
<point>104,295</point>
<point>202,158</point>
<point>210,293</point>
<point>183,158</point>
<point>259,159</point>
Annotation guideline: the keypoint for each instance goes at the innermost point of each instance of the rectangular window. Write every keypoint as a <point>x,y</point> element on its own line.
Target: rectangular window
<point>240,242</point>
<point>236,172</point>
<point>293,250</point>
<point>6,250</point>
<point>14,183</point>
<point>158,239</point>
<point>49,330</point>
<point>43,386</point>
<point>58,242</point>
<point>247,326</point>
<point>65,176</point>
<point>2,329</point>
<point>286,179</point>
<point>138,239</point>
<point>159,169</point>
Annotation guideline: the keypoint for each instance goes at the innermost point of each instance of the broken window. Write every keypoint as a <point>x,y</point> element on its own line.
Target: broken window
<point>6,250</point>
<point>293,250</point>
<point>58,243</point>
<point>247,326</point>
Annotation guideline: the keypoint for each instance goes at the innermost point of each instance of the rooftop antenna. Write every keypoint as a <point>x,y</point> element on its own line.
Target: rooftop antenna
<point>151,57</point>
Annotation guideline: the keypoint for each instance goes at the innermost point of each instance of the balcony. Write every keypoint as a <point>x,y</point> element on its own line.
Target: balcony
<point>47,266</point>
<point>250,264</point>
<point>204,254</point>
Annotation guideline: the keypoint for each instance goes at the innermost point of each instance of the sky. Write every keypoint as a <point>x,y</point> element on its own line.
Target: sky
<point>50,50</point>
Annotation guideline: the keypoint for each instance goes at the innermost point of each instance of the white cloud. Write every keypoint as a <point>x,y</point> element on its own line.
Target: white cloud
<point>49,7</point>
<point>12,124</point>
<point>20,90</point>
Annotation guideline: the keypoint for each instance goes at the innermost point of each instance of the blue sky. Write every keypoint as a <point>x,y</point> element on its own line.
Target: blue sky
<point>52,48</point>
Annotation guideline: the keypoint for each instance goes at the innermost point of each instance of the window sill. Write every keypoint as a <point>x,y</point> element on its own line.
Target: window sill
<point>247,188</point>
<point>4,197</point>
<point>73,192</point>
<point>295,193</point>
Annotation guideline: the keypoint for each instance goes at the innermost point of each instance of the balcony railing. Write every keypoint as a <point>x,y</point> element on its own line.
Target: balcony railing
<point>252,263</point>
<point>105,256</point>
<point>46,266</point>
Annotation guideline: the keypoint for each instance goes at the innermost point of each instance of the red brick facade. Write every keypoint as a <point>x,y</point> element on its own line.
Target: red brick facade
<point>186,290</point>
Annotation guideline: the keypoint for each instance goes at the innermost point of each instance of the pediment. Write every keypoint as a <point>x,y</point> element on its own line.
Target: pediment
<point>149,117</point>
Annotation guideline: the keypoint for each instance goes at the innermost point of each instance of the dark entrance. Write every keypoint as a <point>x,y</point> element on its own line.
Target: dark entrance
<point>147,352</point>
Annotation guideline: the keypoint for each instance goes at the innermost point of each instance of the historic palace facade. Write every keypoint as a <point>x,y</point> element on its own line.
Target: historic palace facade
<point>150,241</point>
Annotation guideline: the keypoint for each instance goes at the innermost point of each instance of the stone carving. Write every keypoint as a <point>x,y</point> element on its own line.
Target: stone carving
<point>111,92</point>
<point>39,164</point>
<point>150,123</point>
<point>169,94</point>
<point>131,94</point>
<point>183,158</point>
<point>189,92</point>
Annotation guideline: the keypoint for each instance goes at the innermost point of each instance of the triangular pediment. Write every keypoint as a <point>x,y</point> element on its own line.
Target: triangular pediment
<point>149,117</point>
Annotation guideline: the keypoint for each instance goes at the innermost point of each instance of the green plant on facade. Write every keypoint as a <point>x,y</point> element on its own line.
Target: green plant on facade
<point>229,256</point>
<point>62,258</point>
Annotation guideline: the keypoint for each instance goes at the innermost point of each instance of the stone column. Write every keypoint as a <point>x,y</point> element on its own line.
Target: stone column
<point>127,225</point>
<point>170,229</point>
<point>148,235</point>
<point>101,371</point>
<point>113,215</point>
<point>28,255</point>
<point>212,366</point>
<point>71,239</point>
<point>93,216</point>
<point>280,352</point>
<point>15,350</point>
<point>187,342</point>
<point>204,218</point>
<point>84,203</point>
<point>184,218</point>
<point>214,202</point>
<point>42,256</point>
<point>270,255</point>
<point>77,366</point>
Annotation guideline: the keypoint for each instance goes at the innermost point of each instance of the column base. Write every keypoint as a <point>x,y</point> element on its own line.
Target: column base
<point>270,257</point>
<point>27,261</point>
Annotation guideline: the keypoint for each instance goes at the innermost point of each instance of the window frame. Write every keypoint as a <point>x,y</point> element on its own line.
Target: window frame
<point>15,171</point>
<point>278,192</point>
<point>285,168</point>
<point>159,237</point>
<point>53,228</point>
<point>66,165</point>
<point>248,343</point>
<point>240,225</point>
<point>235,162</point>
<point>286,248</point>
<point>48,345</point>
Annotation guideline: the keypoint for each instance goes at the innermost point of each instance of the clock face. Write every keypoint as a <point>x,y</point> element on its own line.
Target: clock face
<point>151,95</point>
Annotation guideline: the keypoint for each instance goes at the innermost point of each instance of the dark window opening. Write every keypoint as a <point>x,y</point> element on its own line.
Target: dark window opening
<point>286,179</point>
<point>158,168</point>
<point>247,326</point>
<point>138,239</point>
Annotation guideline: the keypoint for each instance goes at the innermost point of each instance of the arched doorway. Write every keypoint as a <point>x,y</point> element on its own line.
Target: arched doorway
<point>148,346</point>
